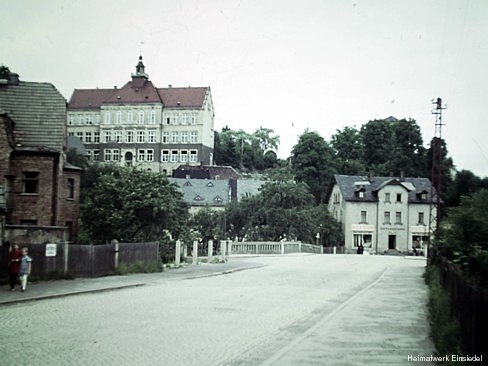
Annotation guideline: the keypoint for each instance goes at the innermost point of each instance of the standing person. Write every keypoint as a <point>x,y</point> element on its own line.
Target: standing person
<point>13,265</point>
<point>25,268</point>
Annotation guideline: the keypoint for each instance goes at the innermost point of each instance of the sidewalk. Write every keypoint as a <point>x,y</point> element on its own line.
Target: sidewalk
<point>52,289</point>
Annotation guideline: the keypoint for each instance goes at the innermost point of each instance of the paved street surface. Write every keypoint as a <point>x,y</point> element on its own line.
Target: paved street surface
<point>278,310</point>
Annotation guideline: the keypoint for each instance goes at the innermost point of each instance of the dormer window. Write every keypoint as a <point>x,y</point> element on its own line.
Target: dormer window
<point>361,194</point>
<point>210,184</point>
<point>423,196</point>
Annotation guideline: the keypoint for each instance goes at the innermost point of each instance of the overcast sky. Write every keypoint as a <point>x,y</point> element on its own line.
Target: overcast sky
<point>286,65</point>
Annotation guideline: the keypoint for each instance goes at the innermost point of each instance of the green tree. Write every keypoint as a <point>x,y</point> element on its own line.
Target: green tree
<point>313,163</point>
<point>348,151</point>
<point>131,205</point>
<point>464,237</point>
<point>4,72</point>
<point>208,223</point>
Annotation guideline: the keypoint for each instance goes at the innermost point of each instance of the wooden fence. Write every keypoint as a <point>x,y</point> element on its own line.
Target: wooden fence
<point>469,304</point>
<point>85,260</point>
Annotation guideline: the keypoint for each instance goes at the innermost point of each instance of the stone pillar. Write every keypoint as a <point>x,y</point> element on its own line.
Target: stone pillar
<point>66,254</point>
<point>229,251</point>
<point>195,252</point>
<point>210,250</point>
<point>177,253</point>
<point>222,250</point>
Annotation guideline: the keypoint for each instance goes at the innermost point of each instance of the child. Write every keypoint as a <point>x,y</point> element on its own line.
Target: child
<point>13,265</point>
<point>25,268</point>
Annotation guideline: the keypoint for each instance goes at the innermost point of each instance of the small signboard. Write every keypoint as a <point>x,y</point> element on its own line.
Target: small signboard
<point>51,250</point>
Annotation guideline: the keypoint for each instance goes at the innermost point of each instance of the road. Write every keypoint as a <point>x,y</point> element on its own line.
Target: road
<point>288,310</point>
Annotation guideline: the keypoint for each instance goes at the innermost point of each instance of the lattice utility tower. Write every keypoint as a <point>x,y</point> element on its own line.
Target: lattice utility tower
<point>437,149</point>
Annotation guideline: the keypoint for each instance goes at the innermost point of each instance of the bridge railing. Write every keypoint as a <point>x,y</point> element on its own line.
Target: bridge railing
<point>272,247</point>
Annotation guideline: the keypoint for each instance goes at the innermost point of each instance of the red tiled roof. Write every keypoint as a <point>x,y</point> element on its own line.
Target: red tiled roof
<point>90,98</point>
<point>183,97</point>
<point>170,97</point>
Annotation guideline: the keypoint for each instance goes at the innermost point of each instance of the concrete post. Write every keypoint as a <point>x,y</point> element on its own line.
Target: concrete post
<point>195,252</point>
<point>116,252</point>
<point>229,251</point>
<point>334,249</point>
<point>66,254</point>
<point>210,250</point>
<point>282,247</point>
<point>178,253</point>
<point>222,250</point>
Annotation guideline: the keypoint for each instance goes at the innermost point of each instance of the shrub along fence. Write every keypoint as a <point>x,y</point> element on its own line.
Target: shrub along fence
<point>469,304</point>
<point>85,260</point>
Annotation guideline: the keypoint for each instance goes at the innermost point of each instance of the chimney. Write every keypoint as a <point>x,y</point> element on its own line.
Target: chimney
<point>371,176</point>
<point>13,78</point>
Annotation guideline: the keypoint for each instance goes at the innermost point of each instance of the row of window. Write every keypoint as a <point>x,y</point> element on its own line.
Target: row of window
<point>139,136</point>
<point>387,218</point>
<point>145,155</point>
<point>140,117</point>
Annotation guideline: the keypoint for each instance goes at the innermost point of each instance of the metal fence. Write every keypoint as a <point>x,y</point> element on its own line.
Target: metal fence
<point>469,304</point>
<point>84,260</point>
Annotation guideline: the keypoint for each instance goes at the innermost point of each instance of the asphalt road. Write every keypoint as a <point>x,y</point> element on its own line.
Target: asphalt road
<point>282,310</point>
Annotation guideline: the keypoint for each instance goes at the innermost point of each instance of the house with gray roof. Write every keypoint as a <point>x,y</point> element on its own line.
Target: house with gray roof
<point>143,125</point>
<point>383,213</point>
<point>39,191</point>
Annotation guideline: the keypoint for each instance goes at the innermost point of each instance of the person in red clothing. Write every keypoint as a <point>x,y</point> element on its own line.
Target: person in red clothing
<point>14,260</point>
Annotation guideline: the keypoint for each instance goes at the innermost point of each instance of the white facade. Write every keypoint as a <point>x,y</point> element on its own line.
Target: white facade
<point>139,124</point>
<point>386,214</point>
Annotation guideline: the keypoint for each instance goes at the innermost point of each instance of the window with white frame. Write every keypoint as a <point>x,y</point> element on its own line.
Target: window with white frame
<point>152,119</point>
<point>141,155</point>
<point>176,117</point>
<point>165,138</point>
<point>118,117</point>
<point>89,155</point>
<point>97,119</point>
<point>364,217</point>
<point>130,116</point>
<point>185,119</point>
<point>141,117</point>
<point>88,119</point>
<point>387,197</point>
<point>150,155</point>
<point>96,155</point>
<point>80,119</point>
<point>116,154</point>
<point>193,156</point>
<point>79,134</point>
<point>96,137</point>
<point>183,156</point>
<point>165,156</point>
<point>88,137</point>
<point>118,136</point>
<point>174,137</point>
<point>129,136</point>
<point>151,136</point>
<point>71,119</point>
<point>174,156</point>
<point>71,133</point>
<point>398,220</point>
<point>107,117</point>
<point>108,136</point>
<point>194,137</point>
<point>193,120</point>
<point>184,137</point>
<point>421,218</point>
<point>140,136</point>
<point>387,218</point>
<point>107,155</point>
<point>399,197</point>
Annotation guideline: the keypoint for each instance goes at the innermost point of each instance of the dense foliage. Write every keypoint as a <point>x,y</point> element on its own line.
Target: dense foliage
<point>464,236</point>
<point>130,205</point>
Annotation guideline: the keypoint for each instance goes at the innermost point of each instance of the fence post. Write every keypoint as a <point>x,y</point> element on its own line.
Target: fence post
<point>229,251</point>
<point>282,247</point>
<point>210,250</point>
<point>222,250</point>
<point>195,252</point>
<point>334,249</point>
<point>66,254</point>
<point>116,253</point>
<point>177,253</point>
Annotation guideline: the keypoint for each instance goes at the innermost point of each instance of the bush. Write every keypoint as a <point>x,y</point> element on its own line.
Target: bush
<point>445,330</point>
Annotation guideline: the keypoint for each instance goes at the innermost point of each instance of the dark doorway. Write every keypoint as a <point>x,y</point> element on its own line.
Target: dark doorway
<point>391,241</point>
<point>128,158</point>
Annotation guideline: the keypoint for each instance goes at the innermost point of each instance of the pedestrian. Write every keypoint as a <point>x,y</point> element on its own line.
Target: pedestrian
<point>14,258</point>
<point>25,268</point>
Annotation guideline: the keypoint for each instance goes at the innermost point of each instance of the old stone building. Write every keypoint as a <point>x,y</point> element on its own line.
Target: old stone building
<point>39,190</point>
<point>144,125</point>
